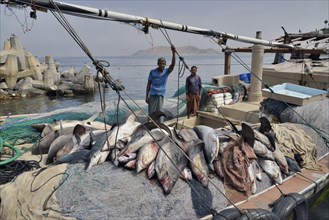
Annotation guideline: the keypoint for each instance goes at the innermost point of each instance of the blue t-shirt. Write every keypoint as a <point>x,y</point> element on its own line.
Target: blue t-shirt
<point>158,82</point>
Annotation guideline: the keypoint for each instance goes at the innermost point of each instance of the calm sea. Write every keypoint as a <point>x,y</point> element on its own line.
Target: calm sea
<point>133,73</point>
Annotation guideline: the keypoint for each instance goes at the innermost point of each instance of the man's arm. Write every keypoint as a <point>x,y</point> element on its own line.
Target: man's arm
<point>187,89</point>
<point>148,86</point>
<point>173,59</point>
<point>186,86</point>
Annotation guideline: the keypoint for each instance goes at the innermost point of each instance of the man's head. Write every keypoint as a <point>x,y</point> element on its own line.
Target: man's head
<point>161,63</point>
<point>194,69</point>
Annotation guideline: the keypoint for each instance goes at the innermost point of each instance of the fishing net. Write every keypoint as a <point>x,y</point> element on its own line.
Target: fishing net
<point>19,130</point>
<point>314,115</point>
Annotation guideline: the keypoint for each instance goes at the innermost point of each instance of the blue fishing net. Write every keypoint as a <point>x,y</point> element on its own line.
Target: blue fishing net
<point>19,130</point>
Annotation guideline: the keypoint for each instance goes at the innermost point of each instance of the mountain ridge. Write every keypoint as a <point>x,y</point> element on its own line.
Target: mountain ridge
<point>165,50</point>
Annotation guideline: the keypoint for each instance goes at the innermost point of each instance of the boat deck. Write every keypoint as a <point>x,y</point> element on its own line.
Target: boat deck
<point>307,183</point>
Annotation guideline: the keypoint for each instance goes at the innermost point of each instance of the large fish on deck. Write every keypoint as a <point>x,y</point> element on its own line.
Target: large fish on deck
<point>148,152</point>
<point>96,155</point>
<point>146,155</point>
<point>169,164</point>
<point>198,163</point>
<point>281,160</point>
<point>79,133</point>
<point>107,141</point>
<point>145,134</point>
<point>89,123</point>
<point>265,140</point>
<point>122,132</point>
<point>262,151</point>
<point>272,169</point>
<point>56,145</point>
<point>54,130</point>
<point>188,134</point>
<point>184,138</point>
<point>44,144</point>
<point>69,140</point>
<point>209,136</point>
<point>75,157</point>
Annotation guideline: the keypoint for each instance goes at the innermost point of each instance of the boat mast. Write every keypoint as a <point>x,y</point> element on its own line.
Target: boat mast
<point>94,13</point>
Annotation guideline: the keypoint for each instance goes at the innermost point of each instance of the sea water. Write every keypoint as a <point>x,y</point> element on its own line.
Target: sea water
<point>133,72</point>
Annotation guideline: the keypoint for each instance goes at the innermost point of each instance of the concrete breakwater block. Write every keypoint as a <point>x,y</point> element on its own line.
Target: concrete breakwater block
<point>18,66</point>
<point>16,44</point>
<point>10,71</point>
<point>3,85</point>
<point>34,66</point>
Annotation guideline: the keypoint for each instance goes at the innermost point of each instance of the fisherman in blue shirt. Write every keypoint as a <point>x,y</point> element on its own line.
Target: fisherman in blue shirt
<point>156,84</point>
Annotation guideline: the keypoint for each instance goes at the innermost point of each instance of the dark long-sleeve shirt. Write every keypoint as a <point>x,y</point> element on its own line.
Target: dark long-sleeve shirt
<point>193,85</point>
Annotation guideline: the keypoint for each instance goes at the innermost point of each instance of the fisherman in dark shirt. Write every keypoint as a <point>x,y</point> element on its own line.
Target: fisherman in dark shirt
<point>193,92</point>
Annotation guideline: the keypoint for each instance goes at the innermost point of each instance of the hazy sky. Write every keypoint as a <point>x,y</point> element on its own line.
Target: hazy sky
<point>105,38</point>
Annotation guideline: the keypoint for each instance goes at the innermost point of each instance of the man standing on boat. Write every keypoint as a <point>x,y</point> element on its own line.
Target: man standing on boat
<point>193,92</point>
<point>156,84</point>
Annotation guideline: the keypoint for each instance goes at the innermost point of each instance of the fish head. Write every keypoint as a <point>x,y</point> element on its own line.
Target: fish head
<point>151,170</point>
<point>131,164</point>
<point>45,142</point>
<point>86,140</point>
<point>95,158</point>
<point>79,130</point>
<point>293,165</point>
<point>46,130</point>
<point>278,178</point>
<point>204,181</point>
<point>39,127</point>
<point>167,183</point>
<point>187,174</point>
<point>120,144</point>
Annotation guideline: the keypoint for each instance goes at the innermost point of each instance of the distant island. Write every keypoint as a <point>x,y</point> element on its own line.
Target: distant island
<point>165,50</point>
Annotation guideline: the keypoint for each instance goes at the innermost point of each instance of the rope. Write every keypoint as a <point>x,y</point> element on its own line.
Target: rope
<point>24,24</point>
<point>182,66</point>
<point>54,190</point>
<point>10,168</point>
<point>10,171</point>
<point>16,153</point>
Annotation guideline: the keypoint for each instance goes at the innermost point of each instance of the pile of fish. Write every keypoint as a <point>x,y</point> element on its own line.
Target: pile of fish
<point>168,153</point>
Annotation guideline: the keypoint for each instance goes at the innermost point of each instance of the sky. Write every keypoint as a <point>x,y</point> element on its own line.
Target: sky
<point>109,38</point>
